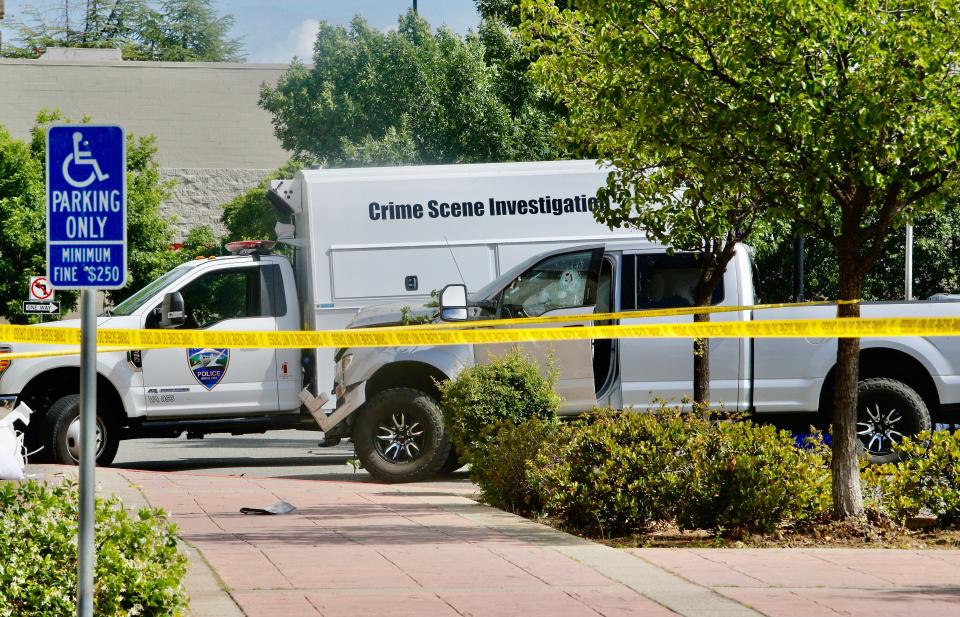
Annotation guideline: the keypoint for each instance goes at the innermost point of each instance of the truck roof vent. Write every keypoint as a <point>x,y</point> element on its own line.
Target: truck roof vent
<point>250,247</point>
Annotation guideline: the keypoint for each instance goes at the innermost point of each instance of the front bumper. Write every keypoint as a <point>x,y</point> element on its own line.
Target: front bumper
<point>351,400</point>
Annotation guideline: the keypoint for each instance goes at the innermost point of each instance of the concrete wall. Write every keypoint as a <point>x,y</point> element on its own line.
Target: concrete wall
<point>197,197</point>
<point>205,115</point>
<point>212,137</point>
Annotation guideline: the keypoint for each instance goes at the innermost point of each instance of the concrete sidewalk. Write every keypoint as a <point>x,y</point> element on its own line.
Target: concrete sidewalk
<point>357,549</point>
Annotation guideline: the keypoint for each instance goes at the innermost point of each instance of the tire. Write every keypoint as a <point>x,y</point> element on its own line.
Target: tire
<point>60,433</point>
<point>887,410</point>
<point>399,436</point>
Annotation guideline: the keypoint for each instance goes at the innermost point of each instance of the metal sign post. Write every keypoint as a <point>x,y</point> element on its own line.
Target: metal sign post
<point>86,250</point>
<point>88,461</point>
<point>908,266</point>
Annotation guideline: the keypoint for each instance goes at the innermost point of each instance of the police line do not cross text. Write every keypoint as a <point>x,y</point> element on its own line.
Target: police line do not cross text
<point>86,207</point>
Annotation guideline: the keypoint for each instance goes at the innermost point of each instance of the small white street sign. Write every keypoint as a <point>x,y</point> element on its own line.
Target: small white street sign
<point>40,289</point>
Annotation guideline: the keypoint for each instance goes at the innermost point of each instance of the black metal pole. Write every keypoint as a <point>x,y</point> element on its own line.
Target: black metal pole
<point>798,269</point>
<point>414,7</point>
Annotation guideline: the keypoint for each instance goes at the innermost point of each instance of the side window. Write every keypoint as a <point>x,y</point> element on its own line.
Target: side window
<point>560,281</point>
<point>662,281</point>
<point>220,295</point>
<point>271,291</point>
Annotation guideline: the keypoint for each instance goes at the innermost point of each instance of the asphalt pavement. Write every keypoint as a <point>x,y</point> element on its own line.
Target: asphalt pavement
<point>278,454</point>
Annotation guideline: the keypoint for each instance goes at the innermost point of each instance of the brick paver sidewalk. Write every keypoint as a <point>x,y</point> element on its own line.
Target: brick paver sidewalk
<point>802,582</point>
<point>358,549</point>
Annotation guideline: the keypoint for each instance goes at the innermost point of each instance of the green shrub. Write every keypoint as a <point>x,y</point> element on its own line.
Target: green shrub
<point>138,569</point>
<point>501,469</point>
<point>927,479</point>
<point>618,472</point>
<point>509,388</point>
<point>749,478</point>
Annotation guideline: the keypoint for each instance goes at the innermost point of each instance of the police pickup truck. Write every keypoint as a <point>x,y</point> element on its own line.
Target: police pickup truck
<point>354,238</point>
<point>389,396</point>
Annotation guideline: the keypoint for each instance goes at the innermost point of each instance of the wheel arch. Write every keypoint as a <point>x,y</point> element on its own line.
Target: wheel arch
<point>406,374</point>
<point>892,364</point>
<point>45,388</point>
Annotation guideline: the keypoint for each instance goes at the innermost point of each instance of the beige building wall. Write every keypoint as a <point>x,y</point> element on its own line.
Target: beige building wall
<point>212,137</point>
<point>204,115</point>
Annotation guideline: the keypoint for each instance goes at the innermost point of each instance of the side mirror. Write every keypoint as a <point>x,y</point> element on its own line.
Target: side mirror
<point>173,313</point>
<point>453,303</point>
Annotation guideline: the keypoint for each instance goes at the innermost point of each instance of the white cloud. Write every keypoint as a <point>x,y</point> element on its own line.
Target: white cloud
<point>298,42</point>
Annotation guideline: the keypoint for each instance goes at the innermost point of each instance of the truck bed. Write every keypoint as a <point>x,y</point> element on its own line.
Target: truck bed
<point>789,374</point>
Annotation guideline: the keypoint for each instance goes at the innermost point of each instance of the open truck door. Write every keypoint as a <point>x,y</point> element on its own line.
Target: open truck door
<point>560,284</point>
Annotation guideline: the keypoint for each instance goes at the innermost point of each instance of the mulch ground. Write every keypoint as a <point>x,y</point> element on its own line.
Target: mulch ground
<point>875,532</point>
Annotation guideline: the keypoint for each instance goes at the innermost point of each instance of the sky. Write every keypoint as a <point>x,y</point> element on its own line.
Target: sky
<point>277,30</point>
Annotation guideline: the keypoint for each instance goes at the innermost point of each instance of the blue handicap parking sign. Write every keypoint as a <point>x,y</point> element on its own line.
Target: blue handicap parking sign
<point>86,207</point>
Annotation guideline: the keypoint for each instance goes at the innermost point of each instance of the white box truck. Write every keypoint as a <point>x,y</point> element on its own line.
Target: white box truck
<point>356,237</point>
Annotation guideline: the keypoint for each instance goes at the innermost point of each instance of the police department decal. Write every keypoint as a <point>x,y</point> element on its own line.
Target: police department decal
<point>208,365</point>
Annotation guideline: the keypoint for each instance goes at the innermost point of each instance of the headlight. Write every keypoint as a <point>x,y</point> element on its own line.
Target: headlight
<point>339,386</point>
<point>4,363</point>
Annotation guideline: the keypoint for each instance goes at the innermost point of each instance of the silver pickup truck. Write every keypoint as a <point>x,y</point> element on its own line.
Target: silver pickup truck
<point>387,398</point>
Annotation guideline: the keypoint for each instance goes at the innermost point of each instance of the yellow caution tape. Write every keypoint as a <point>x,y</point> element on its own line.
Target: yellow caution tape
<point>637,314</point>
<point>73,351</point>
<point>115,340</point>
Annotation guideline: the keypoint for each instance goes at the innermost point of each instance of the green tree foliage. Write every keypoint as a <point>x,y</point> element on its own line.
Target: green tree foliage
<point>936,257</point>
<point>167,30</point>
<point>249,216</point>
<point>675,177</point>
<point>97,23</point>
<point>846,110</point>
<point>188,31</point>
<point>22,250</point>
<point>534,111</point>
<point>149,235</point>
<point>406,96</point>
<point>23,210</point>
<point>508,11</point>
<point>201,241</point>
<point>403,97</point>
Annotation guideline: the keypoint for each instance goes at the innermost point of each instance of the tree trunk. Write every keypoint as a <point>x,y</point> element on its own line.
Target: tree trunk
<point>701,369</point>
<point>847,496</point>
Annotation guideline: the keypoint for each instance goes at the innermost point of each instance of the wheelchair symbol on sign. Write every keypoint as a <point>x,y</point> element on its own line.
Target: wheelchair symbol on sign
<point>82,157</point>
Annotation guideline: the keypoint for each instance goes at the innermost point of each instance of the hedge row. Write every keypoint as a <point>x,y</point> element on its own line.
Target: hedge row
<point>612,473</point>
<point>925,481</point>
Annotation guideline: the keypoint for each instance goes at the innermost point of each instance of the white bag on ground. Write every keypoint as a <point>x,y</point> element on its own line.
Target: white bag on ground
<point>13,456</point>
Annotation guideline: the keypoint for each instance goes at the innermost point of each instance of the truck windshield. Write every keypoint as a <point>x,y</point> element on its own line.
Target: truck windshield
<point>493,288</point>
<point>135,301</point>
